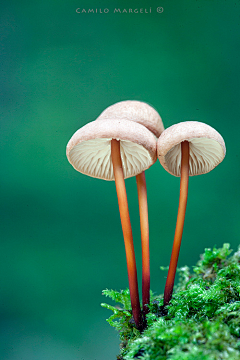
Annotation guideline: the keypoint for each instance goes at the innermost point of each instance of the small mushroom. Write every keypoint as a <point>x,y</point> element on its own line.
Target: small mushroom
<point>136,111</point>
<point>145,115</point>
<point>115,149</point>
<point>187,149</point>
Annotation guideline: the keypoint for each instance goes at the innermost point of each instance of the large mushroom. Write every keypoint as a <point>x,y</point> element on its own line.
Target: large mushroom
<point>187,149</point>
<point>115,148</point>
<point>145,115</point>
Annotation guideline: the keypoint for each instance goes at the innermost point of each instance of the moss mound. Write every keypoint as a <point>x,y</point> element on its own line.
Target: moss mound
<point>202,321</point>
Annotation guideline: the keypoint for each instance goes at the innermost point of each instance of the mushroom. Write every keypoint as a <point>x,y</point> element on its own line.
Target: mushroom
<point>143,114</point>
<point>187,149</point>
<point>115,149</point>
<point>136,111</point>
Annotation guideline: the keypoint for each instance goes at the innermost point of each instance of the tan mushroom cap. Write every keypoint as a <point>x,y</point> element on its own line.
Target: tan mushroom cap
<point>136,111</point>
<point>89,149</point>
<point>206,147</point>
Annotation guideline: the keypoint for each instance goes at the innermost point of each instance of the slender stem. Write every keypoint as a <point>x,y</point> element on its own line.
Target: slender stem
<point>127,231</point>
<point>143,211</point>
<point>180,222</point>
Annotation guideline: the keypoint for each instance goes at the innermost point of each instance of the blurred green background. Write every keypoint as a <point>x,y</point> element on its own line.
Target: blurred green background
<point>61,239</point>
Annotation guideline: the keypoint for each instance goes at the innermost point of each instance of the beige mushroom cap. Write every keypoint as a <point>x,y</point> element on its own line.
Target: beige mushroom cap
<point>206,147</point>
<point>89,149</point>
<point>137,111</point>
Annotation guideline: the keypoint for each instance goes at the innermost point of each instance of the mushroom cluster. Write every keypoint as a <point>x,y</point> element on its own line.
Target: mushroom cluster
<point>119,144</point>
<point>124,141</point>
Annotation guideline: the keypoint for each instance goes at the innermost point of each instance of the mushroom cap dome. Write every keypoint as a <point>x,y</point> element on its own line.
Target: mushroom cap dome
<point>206,147</point>
<point>136,111</point>
<point>89,149</point>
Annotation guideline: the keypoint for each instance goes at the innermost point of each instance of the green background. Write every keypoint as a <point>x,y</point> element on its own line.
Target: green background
<point>61,239</point>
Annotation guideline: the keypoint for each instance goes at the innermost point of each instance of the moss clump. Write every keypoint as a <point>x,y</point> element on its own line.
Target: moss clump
<point>202,321</point>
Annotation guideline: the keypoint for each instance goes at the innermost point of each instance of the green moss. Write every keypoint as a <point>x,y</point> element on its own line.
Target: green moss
<point>202,321</point>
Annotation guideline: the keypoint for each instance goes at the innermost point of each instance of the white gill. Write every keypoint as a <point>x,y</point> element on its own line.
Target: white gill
<point>204,155</point>
<point>93,158</point>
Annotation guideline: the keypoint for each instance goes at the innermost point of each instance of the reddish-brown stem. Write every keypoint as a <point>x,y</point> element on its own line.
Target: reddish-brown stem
<point>143,211</point>
<point>180,222</point>
<point>127,231</point>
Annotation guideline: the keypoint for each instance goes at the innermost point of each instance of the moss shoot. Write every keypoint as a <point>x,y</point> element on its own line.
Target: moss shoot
<point>202,321</point>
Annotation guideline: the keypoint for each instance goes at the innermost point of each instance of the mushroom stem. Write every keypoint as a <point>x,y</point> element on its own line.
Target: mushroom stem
<point>143,211</point>
<point>127,231</point>
<point>180,222</point>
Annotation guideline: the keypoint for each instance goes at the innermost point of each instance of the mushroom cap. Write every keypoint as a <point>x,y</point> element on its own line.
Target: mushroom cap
<point>89,149</point>
<point>137,111</point>
<point>206,148</point>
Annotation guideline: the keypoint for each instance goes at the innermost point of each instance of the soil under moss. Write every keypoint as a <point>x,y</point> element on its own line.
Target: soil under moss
<point>202,321</point>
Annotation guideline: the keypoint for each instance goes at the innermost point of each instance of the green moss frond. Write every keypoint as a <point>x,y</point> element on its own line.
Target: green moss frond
<point>121,318</point>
